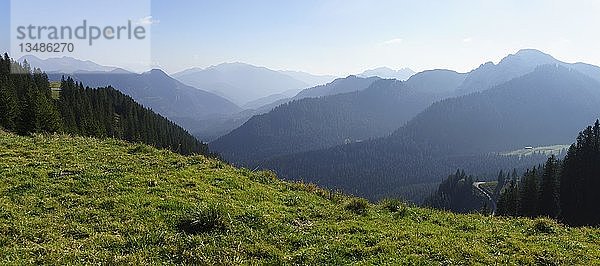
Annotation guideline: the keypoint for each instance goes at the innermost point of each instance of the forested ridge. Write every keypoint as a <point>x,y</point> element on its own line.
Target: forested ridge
<point>27,106</point>
<point>512,97</point>
<point>316,123</point>
<point>358,110</point>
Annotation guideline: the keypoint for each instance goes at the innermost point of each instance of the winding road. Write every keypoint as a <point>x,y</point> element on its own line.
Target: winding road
<point>477,185</point>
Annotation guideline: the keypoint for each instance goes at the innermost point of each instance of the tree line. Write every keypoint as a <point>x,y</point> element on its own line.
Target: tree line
<point>563,189</point>
<point>27,107</point>
<point>566,190</point>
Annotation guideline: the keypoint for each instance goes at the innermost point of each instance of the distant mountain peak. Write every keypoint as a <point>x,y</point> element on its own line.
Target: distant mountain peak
<point>120,71</point>
<point>388,73</point>
<point>531,51</point>
<point>529,55</point>
<point>512,66</point>
<point>155,72</point>
<point>240,82</point>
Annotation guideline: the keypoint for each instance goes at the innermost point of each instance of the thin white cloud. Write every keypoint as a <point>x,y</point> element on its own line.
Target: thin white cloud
<point>467,40</point>
<point>394,41</point>
<point>147,21</point>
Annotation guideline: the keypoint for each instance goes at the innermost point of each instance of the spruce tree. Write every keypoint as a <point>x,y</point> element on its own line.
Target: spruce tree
<point>8,100</point>
<point>508,203</point>
<point>580,179</point>
<point>27,106</point>
<point>501,183</point>
<point>529,194</point>
<point>549,203</point>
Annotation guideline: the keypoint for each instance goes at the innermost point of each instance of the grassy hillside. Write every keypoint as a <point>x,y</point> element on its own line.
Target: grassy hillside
<point>67,200</point>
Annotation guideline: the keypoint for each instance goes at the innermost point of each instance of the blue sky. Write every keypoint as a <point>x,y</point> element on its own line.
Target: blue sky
<point>347,36</point>
<point>4,25</point>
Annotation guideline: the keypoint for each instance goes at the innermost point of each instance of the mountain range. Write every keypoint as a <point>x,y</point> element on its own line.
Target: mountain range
<point>154,89</point>
<point>361,109</point>
<point>462,132</point>
<point>392,127</point>
<point>215,127</point>
<point>204,113</point>
<point>472,117</point>
<point>407,135</point>
<point>217,115</point>
<point>244,84</point>
<point>161,93</point>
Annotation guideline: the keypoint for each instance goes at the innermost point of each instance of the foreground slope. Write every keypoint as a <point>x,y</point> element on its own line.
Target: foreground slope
<point>70,200</point>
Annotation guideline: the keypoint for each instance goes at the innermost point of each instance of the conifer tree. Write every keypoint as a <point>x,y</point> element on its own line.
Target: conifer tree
<point>27,106</point>
<point>501,183</point>
<point>528,194</point>
<point>549,203</point>
<point>8,100</point>
<point>508,204</point>
<point>580,179</point>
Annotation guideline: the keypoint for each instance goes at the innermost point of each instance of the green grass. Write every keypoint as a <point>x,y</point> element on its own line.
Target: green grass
<point>546,150</point>
<point>67,200</point>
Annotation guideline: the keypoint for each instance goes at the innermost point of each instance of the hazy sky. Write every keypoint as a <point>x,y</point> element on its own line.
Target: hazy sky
<point>347,36</point>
